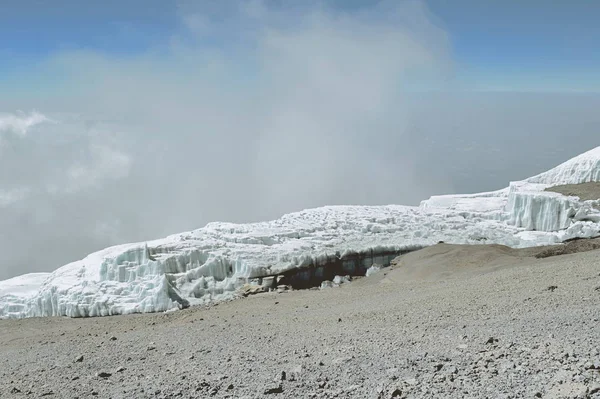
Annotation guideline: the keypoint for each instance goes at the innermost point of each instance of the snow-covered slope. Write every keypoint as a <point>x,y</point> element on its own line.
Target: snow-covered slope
<point>581,169</point>
<point>213,262</point>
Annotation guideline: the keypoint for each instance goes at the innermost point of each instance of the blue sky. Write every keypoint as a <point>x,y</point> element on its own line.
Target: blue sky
<point>33,29</point>
<point>532,45</point>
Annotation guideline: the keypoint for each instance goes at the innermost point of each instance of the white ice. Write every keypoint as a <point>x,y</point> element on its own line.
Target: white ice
<point>211,263</point>
<point>372,270</point>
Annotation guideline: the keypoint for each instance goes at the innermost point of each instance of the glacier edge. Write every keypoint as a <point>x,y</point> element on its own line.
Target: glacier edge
<point>212,263</point>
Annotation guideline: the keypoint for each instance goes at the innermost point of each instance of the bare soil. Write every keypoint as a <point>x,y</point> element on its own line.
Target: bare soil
<point>585,191</point>
<point>571,247</point>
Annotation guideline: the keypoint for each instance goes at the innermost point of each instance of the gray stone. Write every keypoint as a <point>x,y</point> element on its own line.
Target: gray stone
<point>274,389</point>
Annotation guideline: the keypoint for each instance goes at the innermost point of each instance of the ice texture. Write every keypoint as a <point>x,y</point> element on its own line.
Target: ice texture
<point>212,263</point>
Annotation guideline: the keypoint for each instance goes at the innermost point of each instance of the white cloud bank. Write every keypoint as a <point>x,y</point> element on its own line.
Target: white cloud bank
<point>20,122</point>
<point>249,112</point>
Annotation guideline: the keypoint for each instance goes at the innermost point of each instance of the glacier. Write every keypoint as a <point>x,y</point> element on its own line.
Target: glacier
<point>215,262</point>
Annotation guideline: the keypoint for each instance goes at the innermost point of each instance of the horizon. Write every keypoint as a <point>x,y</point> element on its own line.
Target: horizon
<point>128,122</point>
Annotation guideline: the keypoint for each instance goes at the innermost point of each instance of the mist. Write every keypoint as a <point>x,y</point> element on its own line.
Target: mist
<point>248,117</point>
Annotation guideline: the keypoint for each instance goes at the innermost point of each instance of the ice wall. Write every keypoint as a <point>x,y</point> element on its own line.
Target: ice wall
<point>541,211</point>
<point>525,204</point>
<point>532,208</point>
<point>15,292</point>
<point>214,262</point>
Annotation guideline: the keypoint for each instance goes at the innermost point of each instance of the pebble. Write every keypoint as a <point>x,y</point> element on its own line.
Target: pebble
<point>273,389</point>
<point>396,343</point>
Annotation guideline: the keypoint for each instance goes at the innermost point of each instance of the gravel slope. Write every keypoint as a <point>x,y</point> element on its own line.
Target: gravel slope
<point>447,321</point>
<point>585,191</point>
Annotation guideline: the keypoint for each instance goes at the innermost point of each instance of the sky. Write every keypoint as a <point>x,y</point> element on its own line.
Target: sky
<point>125,121</point>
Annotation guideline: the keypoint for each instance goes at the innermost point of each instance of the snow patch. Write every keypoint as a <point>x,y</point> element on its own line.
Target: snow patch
<point>339,280</point>
<point>372,270</point>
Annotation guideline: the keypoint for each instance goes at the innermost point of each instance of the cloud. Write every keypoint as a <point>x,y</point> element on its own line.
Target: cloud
<point>102,163</point>
<point>59,158</point>
<point>19,123</point>
<point>12,196</point>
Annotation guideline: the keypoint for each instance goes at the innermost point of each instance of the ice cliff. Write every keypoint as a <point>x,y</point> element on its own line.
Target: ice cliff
<point>214,262</point>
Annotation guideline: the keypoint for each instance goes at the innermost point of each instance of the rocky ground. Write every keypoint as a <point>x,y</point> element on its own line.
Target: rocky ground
<point>585,191</point>
<point>445,322</point>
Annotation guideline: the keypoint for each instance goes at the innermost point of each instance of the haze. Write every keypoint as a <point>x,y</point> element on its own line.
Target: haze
<point>244,110</point>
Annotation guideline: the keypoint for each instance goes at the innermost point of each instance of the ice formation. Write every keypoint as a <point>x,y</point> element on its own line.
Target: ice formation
<point>336,282</point>
<point>372,270</point>
<point>214,262</point>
